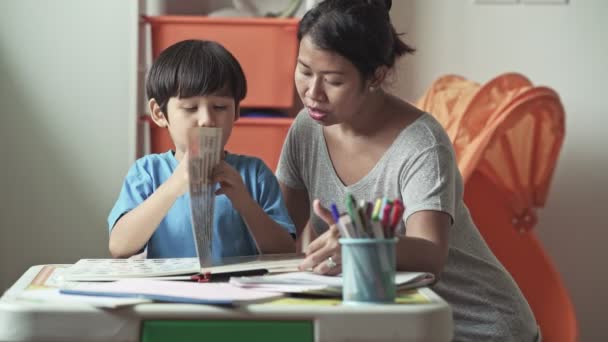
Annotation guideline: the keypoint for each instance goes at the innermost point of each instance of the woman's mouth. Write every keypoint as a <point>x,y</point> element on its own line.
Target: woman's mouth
<point>316,114</point>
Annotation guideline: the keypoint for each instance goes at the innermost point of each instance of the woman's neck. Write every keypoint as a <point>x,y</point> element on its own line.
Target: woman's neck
<point>373,115</point>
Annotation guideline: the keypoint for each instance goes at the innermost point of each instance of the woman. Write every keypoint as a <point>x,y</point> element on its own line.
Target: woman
<point>353,137</point>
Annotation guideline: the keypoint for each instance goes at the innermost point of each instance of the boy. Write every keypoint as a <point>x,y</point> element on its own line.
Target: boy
<point>197,84</point>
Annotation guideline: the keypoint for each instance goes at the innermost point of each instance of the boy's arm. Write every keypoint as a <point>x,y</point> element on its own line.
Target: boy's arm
<point>133,230</point>
<point>269,235</point>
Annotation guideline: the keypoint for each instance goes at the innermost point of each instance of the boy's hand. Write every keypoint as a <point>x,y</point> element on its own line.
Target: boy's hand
<point>231,185</point>
<point>178,182</point>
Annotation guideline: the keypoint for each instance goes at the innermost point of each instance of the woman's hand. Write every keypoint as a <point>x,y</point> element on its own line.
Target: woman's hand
<point>324,255</point>
<point>231,185</point>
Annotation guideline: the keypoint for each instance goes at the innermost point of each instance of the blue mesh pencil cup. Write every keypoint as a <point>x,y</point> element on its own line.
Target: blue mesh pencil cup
<point>368,270</point>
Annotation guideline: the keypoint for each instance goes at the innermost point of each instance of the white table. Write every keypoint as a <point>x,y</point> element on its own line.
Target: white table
<point>28,321</point>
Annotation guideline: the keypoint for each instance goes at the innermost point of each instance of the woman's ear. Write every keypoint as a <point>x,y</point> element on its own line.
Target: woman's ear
<point>157,114</point>
<point>378,78</point>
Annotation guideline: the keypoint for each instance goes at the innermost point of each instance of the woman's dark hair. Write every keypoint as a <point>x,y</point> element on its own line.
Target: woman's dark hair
<point>359,30</point>
<point>195,68</point>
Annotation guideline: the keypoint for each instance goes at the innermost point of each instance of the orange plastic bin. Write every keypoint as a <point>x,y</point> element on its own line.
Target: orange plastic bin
<point>265,47</point>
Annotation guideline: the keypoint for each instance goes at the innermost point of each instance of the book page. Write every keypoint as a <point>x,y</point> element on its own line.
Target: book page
<point>204,153</point>
<point>112,269</point>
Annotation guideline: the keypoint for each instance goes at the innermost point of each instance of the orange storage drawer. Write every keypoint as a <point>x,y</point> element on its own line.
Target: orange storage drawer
<point>265,47</point>
<point>260,137</point>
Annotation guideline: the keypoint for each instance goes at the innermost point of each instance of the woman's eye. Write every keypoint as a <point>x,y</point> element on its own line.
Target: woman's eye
<point>334,82</point>
<point>219,107</point>
<point>305,73</point>
<point>190,109</point>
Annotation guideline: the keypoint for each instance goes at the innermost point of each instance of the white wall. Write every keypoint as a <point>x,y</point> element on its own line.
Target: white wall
<point>566,48</point>
<point>67,70</point>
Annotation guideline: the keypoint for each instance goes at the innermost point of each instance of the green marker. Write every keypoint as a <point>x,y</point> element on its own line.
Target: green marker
<point>353,213</point>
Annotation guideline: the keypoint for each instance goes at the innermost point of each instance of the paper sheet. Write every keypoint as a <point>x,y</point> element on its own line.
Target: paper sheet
<point>174,291</point>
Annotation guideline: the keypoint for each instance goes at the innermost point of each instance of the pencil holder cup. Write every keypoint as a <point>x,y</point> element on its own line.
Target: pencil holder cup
<point>368,270</point>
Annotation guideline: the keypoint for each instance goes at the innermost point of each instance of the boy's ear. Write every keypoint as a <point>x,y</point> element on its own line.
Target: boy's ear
<point>237,112</point>
<point>157,114</point>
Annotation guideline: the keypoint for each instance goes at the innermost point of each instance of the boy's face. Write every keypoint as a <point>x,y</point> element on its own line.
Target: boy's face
<point>198,111</point>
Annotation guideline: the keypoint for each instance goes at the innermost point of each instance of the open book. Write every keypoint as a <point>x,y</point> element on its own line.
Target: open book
<point>179,268</point>
<point>314,284</point>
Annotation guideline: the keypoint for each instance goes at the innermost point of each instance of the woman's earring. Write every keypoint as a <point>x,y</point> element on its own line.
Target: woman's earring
<point>372,89</point>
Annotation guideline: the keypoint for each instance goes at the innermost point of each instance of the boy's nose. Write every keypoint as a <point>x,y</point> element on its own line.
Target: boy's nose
<point>205,120</point>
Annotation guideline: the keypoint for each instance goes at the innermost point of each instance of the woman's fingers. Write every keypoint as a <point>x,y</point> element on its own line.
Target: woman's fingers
<point>314,259</point>
<point>329,267</point>
<point>317,243</point>
<point>323,254</point>
<point>320,262</point>
<point>323,212</point>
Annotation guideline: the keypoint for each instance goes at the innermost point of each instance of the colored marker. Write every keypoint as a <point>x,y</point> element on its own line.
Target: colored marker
<point>354,215</point>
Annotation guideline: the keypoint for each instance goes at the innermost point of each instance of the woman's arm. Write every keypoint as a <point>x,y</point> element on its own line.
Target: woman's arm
<point>425,245</point>
<point>423,249</point>
<point>298,207</point>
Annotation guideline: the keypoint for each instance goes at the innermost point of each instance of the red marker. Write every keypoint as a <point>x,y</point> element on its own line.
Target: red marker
<point>398,210</point>
<point>386,213</point>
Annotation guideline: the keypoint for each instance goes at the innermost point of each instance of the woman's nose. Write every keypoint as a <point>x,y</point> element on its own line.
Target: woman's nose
<point>316,91</point>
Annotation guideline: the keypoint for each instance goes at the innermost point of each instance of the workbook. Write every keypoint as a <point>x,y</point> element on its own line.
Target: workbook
<point>315,284</point>
<point>179,268</point>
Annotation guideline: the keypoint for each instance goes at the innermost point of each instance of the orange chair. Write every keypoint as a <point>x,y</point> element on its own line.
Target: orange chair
<point>260,137</point>
<point>507,135</point>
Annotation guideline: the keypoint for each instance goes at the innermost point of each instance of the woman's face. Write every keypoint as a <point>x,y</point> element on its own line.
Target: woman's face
<point>330,86</point>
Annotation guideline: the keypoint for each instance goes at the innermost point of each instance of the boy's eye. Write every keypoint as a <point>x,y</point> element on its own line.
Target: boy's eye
<point>220,107</point>
<point>190,109</point>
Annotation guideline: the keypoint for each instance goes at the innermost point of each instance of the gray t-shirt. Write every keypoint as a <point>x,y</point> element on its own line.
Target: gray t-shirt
<point>420,168</point>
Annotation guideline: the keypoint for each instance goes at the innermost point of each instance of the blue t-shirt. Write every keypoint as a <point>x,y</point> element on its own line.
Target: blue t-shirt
<point>174,238</point>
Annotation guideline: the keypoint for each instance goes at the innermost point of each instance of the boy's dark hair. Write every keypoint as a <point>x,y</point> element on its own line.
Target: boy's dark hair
<point>195,68</point>
<point>359,30</point>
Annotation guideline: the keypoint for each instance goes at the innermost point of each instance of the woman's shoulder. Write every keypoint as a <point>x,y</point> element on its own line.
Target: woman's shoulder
<point>304,124</point>
<point>425,132</point>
